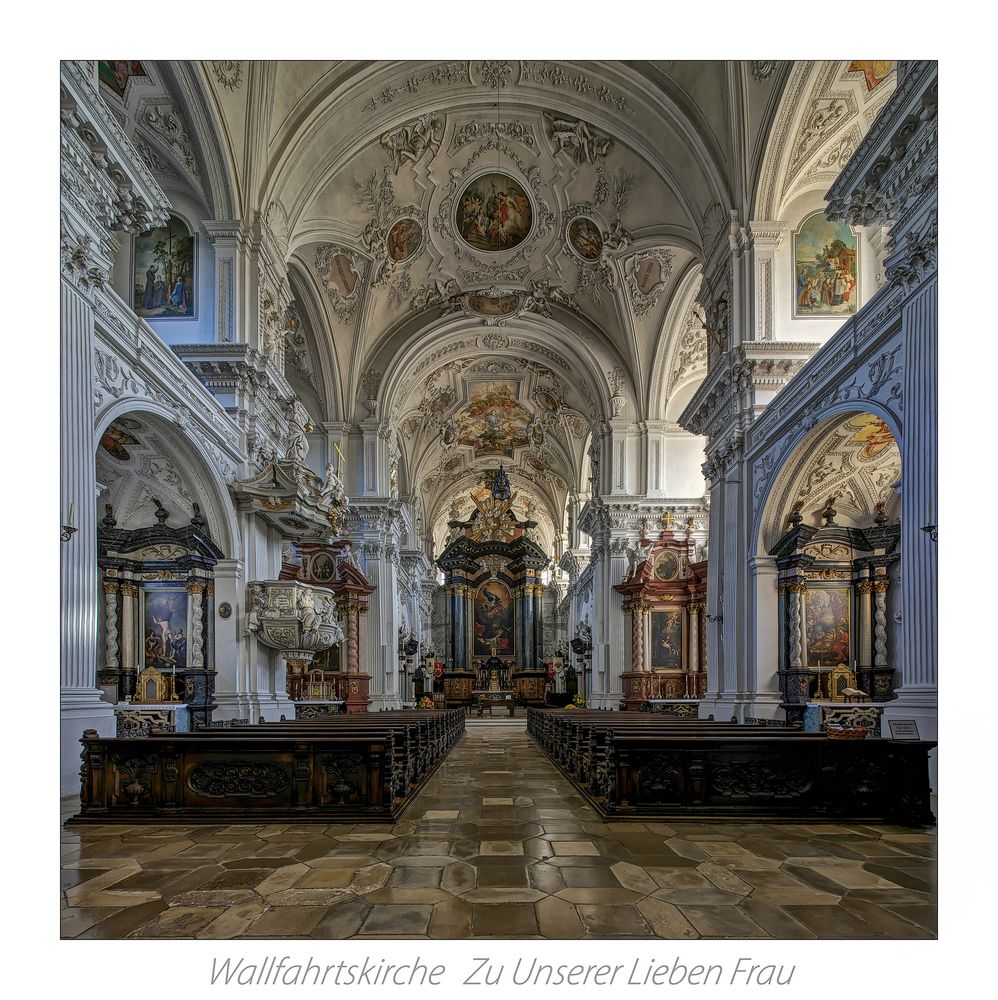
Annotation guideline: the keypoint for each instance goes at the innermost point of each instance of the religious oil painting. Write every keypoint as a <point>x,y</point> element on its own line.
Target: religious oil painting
<point>494,422</point>
<point>825,269</point>
<point>117,437</point>
<point>584,238</point>
<point>826,626</point>
<point>322,567</point>
<point>164,272</point>
<point>666,640</point>
<point>493,620</point>
<point>404,239</point>
<point>494,213</point>
<point>164,629</point>
<point>667,567</point>
<point>115,73</point>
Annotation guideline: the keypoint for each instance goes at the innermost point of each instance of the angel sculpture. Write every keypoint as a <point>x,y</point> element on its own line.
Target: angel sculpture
<point>636,555</point>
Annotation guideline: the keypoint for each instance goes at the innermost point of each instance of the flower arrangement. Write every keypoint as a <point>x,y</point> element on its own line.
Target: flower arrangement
<point>425,702</point>
<point>579,702</point>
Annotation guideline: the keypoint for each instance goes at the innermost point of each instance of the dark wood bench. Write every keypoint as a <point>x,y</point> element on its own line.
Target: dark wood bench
<point>338,767</point>
<point>639,766</point>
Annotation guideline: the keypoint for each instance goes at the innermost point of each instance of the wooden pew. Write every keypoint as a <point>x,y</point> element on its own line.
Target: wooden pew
<point>639,766</point>
<point>339,767</point>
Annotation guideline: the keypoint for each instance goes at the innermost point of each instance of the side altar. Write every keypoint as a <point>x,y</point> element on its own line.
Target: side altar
<point>665,594</point>
<point>492,581</point>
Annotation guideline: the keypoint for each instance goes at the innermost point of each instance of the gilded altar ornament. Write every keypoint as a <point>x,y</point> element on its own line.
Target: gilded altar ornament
<point>225,610</point>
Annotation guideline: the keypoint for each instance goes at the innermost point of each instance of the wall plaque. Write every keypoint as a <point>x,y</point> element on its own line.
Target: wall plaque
<point>903,729</point>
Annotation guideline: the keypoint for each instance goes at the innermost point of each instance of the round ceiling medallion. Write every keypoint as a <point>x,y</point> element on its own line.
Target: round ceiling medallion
<point>584,238</point>
<point>494,213</point>
<point>404,239</point>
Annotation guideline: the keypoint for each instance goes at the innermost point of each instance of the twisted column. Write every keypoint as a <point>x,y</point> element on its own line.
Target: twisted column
<point>880,624</point>
<point>353,612</point>
<point>111,590</point>
<point>194,591</point>
<point>795,609</point>
<point>638,637</point>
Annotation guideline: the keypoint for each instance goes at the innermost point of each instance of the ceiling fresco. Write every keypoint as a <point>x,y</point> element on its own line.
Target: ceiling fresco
<point>547,216</point>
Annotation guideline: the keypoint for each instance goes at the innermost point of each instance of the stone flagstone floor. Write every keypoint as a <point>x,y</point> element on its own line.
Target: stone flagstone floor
<point>498,845</point>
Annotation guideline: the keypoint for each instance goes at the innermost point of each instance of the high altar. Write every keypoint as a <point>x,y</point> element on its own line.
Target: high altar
<point>493,585</point>
<point>665,594</point>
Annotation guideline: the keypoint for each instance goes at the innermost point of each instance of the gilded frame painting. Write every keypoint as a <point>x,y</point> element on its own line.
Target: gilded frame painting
<point>164,628</point>
<point>666,635</point>
<point>828,626</point>
<point>493,620</point>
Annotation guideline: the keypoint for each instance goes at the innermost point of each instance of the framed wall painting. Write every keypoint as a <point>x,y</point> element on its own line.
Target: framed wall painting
<point>827,626</point>
<point>166,272</point>
<point>666,639</point>
<point>164,628</point>
<point>493,620</point>
<point>826,272</point>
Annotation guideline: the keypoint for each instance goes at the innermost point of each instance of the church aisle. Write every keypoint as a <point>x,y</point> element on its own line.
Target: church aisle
<point>498,844</point>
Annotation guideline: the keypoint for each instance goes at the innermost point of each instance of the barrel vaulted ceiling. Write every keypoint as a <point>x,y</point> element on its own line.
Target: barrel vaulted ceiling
<point>530,229</point>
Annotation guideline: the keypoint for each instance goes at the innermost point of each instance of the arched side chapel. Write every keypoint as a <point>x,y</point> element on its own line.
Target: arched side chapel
<point>349,314</point>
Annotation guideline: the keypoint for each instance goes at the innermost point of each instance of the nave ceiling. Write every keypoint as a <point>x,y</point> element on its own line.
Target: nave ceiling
<point>514,207</point>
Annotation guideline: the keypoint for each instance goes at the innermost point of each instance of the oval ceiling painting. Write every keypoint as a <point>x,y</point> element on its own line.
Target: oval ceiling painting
<point>404,239</point>
<point>584,238</point>
<point>494,213</point>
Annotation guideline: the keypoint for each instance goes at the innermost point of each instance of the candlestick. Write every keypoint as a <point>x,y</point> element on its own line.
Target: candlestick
<point>69,523</point>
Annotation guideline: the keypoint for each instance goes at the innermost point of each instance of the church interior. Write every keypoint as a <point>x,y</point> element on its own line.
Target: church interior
<point>498,499</point>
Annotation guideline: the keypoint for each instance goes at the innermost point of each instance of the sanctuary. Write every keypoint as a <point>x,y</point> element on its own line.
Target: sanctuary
<point>601,394</point>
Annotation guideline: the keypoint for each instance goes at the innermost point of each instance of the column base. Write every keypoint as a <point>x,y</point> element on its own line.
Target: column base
<point>79,709</point>
<point>921,705</point>
<point>269,707</point>
<point>387,702</point>
<point>358,698</point>
<point>637,689</point>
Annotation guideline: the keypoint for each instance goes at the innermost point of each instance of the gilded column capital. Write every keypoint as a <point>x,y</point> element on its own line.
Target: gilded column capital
<point>864,586</point>
<point>129,590</point>
<point>111,587</point>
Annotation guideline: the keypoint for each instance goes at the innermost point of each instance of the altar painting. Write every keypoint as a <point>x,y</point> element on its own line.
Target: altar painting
<point>493,620</point>
<point>163,631</point>
<point>164,272</point>
<point>666,640</point>
<point>493,422</point>
<point>826,626</point>
<point>825,268</point>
